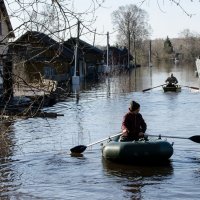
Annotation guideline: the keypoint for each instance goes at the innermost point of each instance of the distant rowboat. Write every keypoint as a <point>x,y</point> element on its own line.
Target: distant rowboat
<point>175,88</point>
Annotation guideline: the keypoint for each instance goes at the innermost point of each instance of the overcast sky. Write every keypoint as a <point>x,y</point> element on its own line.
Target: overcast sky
<point>165,18</point>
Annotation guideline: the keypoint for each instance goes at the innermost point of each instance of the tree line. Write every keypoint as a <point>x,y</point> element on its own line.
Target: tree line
<point>134,30</point>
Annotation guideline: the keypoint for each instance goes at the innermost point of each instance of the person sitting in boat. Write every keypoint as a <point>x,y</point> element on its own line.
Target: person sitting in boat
<point>171,81</point>
<point>133,125</point>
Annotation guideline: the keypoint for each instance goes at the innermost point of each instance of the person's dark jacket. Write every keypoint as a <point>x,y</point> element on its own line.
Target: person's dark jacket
<point>172,80</point>
<point>135,124</point>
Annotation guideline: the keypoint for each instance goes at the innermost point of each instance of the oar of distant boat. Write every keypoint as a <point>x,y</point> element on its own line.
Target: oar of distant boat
<point>152,88</point>
<point>191,87</point>
<point>195,88</point>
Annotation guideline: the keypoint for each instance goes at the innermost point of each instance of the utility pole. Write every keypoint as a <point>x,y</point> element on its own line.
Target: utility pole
<point>134,48</point>
<point>128,49</point>
<point>76,78</point>
<point>107,50</point>
<point>150,64</point>
<point>77,44</point>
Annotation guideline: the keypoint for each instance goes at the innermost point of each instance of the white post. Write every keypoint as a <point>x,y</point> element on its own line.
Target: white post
<point>75,78</point>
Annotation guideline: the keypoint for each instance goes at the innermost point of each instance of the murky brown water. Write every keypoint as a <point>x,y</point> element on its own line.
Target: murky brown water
<point>35,158</point>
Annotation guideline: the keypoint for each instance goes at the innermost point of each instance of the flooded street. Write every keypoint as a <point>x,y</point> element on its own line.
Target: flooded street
<point>35,153</point>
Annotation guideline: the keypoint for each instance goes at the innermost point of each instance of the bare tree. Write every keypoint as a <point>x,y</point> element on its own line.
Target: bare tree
<point>179,3</point>
<point>189,46</point>
<point>131,19</point>
<point>131,23</point>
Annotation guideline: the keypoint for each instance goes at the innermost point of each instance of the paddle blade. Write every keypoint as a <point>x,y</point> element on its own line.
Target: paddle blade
<point>146,89</point>
<point>195,138</point>
<point>196,88</point>
<point>78,149</point>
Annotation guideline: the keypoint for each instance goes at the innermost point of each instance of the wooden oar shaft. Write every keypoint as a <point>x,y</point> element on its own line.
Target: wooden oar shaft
<point>196,88</point>
<point>194,138</point>
<point>81,148</point>
<point>103,139</point>
<point>152,88</point>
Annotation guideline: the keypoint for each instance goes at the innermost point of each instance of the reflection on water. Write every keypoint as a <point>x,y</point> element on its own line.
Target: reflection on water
<point>135,178</point>
<point>77,155</point>
<point>138,79</point>
<point>7,140</point>
<point>8,178</point>
<point>122,170</point>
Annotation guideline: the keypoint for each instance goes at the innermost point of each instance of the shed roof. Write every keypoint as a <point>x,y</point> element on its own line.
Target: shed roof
<point>46,40</point>
<point>86,47</point>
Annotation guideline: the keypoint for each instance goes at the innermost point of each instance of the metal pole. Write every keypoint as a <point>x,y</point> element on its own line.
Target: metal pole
<point>150,64</point>
<point>134,49</point>
<point>128,49</point>
<point>75,78</point>
<point>107,48</point>
<point>77,49</point>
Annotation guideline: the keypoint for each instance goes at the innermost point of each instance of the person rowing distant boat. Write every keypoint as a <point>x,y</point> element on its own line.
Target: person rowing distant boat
<point>171,81</point>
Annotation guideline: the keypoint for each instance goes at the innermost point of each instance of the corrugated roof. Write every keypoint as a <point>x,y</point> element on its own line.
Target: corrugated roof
<point>45,39</point>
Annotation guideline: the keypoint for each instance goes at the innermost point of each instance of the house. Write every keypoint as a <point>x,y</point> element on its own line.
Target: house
<point>118,57</point>
<point>6,33</point>
<point>6,30</point>
<point>90,57</point>
<point>37,57</point>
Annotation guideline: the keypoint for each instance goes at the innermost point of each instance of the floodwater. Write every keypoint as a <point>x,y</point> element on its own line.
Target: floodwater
<point>35,160</point>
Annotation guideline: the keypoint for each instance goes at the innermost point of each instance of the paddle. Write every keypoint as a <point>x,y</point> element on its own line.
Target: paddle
<point>82,148</point>
<point>194,138</point>
<point>196,88</point>
<point>152,88</point>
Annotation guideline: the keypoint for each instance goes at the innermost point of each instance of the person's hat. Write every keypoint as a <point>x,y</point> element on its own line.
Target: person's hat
<point>134,106</point>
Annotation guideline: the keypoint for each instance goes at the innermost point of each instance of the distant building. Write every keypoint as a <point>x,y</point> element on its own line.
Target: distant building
<point>6,33</point>
<point>36,56</point>
<point>90,57</point>
<point>118,57</point>
<point>6,30</point>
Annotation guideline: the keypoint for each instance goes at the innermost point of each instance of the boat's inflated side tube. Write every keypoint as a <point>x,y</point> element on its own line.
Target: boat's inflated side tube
<point>141,150</point>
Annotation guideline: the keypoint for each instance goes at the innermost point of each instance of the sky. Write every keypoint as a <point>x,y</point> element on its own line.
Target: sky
<point>165,18</point>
